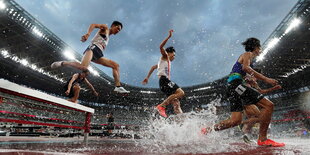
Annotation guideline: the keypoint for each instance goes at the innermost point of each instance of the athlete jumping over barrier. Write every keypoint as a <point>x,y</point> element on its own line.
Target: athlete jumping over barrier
<point>94,52</point>
<point>72,87</point>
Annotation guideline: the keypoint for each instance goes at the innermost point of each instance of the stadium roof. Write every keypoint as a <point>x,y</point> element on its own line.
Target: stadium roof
<point>286,53</point>
<point>27,48</point>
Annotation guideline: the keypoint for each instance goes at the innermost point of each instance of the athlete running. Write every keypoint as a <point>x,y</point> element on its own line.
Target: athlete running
<point>94,52</point>
<point>176,103</point>
<point>171,89</point>
<point>241,96</point>
<point>252,112</point>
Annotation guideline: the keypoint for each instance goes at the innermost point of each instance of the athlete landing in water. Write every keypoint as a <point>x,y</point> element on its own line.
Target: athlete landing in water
<point>241,96</point>
<point>176,103</point>
<point>171,89</point>
<point>252,112</point>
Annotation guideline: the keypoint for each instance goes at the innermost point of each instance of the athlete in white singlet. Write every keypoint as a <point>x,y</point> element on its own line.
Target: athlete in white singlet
<point>171,89</point>
<point>94,52</point>
<point>164,70</point>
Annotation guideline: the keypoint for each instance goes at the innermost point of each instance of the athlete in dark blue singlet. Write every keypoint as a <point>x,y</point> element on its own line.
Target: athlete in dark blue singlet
<point>241,96</point>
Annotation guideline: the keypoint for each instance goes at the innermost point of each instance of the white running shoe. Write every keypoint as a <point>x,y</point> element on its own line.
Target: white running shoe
<point>56,64</point>
<point>121,90</point>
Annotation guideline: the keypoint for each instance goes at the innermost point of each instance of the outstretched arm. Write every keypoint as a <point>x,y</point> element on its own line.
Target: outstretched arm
<point>265,91</point>
<point>74,77</point>
<point>146,80</point>
<point>163,43</point>
<point>91,87</point>
<point>102,27</point>
<point>252,83</point>
<point>248,69</point>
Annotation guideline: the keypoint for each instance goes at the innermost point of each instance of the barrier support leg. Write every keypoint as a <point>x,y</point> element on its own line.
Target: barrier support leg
<point>87,126</point>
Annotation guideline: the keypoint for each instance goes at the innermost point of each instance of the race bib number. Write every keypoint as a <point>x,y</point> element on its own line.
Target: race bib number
<point>171,84</point>
<point>92,47</point>
<point>240,89</point>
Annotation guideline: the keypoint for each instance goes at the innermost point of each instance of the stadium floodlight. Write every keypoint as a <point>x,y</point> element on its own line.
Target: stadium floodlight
<point>37,31</point>
<point>5,53</point>
<point>269,46</point>
<point>2,5</point>
<point>273,43</point>
<point>15,58</point>
<point>40,70</point>
<point>202,88</point>
<point>147,92</point>
<point>69,55</point>
<point>24,62</point>
<point>295,22</point>
<point>34,67</point>
<point>93,71</point>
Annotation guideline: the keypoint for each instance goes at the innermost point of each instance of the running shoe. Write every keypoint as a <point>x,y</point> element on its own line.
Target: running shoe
<point>121,90</point>
<point>56,64</point>
<point>270,142</point>
<point>246,139</point>
<point>162,111</point>
<point>240,126</point>
<point>205,131</point>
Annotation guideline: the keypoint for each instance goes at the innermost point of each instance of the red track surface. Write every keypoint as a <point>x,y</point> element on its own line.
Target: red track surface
<point>40,146</point>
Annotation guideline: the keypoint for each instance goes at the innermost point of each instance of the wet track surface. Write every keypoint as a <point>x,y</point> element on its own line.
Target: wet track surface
<point>38,146</point>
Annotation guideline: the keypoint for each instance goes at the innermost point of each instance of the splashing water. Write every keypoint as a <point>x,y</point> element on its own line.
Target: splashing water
<point>181,134</point>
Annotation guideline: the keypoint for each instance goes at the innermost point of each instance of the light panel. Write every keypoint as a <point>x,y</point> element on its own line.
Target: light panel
<point>2,5</point>
<point>295,22</point>
<point>26,63</point>
<point>69,55</point>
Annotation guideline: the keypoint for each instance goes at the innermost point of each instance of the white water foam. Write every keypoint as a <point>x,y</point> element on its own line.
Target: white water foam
<point>181,134</point>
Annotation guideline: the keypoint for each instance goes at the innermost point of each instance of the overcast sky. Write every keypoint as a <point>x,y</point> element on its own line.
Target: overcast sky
<point>207,38</point>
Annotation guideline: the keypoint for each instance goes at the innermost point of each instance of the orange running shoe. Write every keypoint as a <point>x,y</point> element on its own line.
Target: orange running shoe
<point>270,142</point>
<point>205,131</point>
<point>162,111</point>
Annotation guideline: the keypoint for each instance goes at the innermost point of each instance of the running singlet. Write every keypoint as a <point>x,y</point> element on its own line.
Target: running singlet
<point>237,72</point>
<point>163,68</point>
<point>100,40</point>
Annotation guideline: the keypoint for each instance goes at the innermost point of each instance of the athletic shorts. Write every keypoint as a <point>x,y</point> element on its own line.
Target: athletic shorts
<point>97,53</point>
<point>240,95</point>
<point>166,86</point>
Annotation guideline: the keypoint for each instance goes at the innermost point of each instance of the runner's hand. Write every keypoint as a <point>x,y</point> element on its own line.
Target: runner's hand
<point>170,33</point>
<point>67,92</point>
<point>272,81</point>
<point>277,87</point>
<point>145,81</point>
<point>84,37</point>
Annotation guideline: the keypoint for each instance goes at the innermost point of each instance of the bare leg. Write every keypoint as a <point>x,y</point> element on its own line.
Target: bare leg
<point>115,68</point>
<point>176,106</point>
<point>84,64</point>
<point>251,120</point>
<point>252,113</point>
<point>76,90</point>
<point>179,93</point>
<point>265,117</point>
<point>234,120</point>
